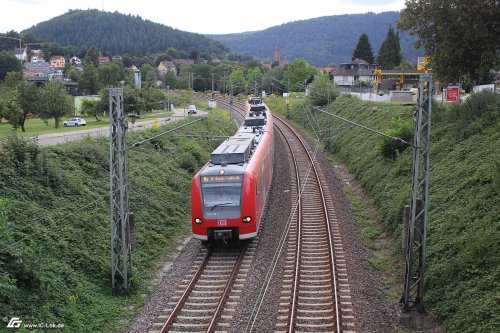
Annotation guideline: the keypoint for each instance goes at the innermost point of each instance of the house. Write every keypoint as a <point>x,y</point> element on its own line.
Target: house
<point>351,74</point>
<point>36,69</point>
<point>75,61</point>
<point>166,66</point>
<point>20,53</point>
<point>184,61</point>
<point>37,56</point>
<point>57,61</point>
<point>103,59</point>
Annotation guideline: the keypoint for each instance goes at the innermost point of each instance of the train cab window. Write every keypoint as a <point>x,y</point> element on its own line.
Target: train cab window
<point>221,193</point>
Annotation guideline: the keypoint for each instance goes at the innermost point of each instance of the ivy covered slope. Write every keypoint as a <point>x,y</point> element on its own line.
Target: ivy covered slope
<point>463,252</point>
<point>55,228</point>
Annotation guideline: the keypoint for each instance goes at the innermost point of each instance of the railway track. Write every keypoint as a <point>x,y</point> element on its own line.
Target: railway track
<point>315,292</point>
<point>206,301</point>
<point>315,295</point>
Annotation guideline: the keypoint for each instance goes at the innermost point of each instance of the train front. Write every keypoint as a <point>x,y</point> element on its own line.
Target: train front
<point>222,205</point>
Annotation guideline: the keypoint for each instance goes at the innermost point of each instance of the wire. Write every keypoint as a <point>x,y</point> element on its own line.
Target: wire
<point>166,132</point>
<point>395,138</point>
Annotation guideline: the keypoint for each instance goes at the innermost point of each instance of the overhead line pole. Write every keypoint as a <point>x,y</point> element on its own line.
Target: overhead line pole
<point>413,294</point>
<point>121,257</point>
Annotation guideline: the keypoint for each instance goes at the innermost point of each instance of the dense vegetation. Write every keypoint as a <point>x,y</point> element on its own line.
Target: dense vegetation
<point>130,34</point>
<point>55,230</point>
<point>461,36</point>
<point>463,256</point>
<point>320,41</point>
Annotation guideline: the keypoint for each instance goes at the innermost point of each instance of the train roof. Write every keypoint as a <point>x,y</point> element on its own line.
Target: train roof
<point>236,151</point>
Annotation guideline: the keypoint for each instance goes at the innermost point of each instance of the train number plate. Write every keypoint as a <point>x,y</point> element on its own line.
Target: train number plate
<point>222,223</point>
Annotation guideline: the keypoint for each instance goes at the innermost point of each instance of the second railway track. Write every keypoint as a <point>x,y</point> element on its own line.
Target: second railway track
<point>315,293</point>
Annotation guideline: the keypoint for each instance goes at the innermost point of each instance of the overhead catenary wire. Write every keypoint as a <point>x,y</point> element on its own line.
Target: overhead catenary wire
<point>166,132</point>
<point>395,138</point>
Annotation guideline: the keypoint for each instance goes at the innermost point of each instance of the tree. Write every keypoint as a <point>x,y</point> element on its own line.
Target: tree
<point>389,54</point>
<point>148,74</point>
<point>13,79</point>
<point>236,82</point>
<point>91,108</point>
<point>271,81</point>
<point>72,74</point>
<point>323,90</point>
<point>460,36</point>
<point>254,78</point>
<point>10,109</point>
<point>108,74</point>
<point>296,74</point>
<point>363,49</point>
<point>88,82</point>
<point>92,57</point>
<point>170,80</point>
<point>56,102</point>
<point>8,63</point>
<point>29,100</point>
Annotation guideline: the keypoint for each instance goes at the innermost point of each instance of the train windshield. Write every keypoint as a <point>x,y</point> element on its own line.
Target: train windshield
<point>221,193</point>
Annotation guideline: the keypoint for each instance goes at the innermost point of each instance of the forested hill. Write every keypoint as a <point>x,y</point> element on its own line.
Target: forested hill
<point>115,33</point>
<point>320,41</point>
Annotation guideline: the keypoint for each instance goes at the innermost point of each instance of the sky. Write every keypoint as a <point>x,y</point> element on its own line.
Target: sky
<point>200,16</point>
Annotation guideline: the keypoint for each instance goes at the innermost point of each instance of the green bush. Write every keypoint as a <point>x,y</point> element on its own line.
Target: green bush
<point>400,129</point>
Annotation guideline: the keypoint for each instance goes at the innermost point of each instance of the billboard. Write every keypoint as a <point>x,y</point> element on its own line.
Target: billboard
<point>453,94</point>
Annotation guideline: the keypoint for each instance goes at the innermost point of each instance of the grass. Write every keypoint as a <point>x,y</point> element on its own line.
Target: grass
<point>39,127</point>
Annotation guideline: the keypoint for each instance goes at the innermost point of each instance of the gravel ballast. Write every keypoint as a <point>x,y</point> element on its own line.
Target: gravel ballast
<point>371,310</point>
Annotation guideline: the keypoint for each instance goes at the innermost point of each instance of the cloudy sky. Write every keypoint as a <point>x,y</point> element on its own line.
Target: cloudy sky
<point>201,16</point>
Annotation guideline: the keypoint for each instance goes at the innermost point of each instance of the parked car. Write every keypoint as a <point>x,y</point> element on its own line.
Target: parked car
<point>75,122</point>
<point>192,109</point>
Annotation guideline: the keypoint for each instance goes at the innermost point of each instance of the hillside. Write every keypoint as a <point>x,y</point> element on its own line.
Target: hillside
<point>115,33</point>
<point>54,223</point>
<point>462,254</point>
<point>320,41</point>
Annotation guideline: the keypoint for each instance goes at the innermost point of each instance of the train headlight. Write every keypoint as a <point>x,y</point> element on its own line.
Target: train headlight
<point>198,220</point>
<point>247,219</point>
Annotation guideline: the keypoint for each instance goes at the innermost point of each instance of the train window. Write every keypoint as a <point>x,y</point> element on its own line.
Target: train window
<point>220,195</point>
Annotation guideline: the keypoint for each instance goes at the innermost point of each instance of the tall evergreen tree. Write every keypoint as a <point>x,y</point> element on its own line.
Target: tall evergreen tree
<point>363,50</point>
<point>389,54</point>
<point>89,82</point>
<point>92,56</point>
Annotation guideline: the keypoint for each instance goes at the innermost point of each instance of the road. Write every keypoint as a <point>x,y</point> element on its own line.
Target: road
<point>56,138</point>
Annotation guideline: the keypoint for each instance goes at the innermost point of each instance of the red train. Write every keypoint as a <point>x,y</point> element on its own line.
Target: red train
<point>229,193</point>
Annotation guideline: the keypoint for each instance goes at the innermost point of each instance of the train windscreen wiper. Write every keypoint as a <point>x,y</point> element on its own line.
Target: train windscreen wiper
<point>224,204</point>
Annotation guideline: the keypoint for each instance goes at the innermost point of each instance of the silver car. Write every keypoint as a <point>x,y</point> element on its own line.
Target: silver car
<point>75,122</point>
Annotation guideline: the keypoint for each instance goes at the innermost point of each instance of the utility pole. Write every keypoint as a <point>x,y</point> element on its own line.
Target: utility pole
<point>412,299</point>
<point>121,258</point>
<point>169,108</point>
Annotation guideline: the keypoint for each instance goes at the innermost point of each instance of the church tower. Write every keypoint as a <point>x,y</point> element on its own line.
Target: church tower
<point>277,52</point>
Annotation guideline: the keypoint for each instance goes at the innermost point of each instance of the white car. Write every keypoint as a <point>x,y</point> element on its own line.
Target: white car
<point>75,122</point>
